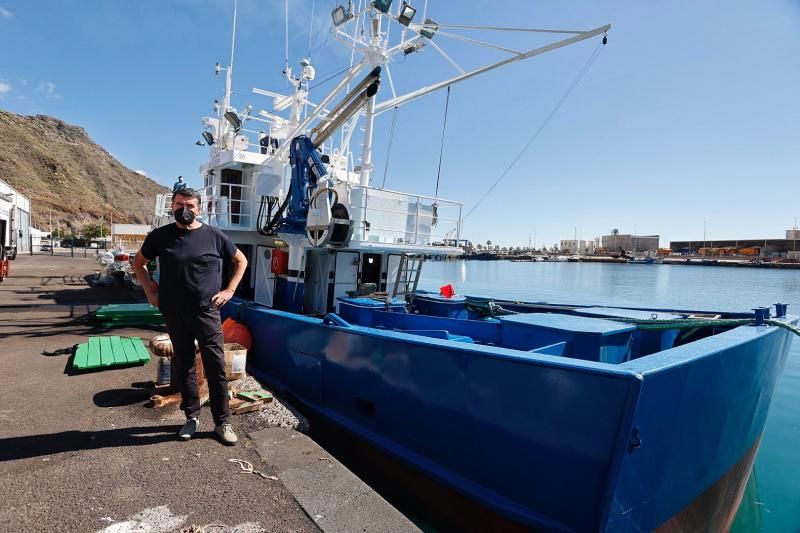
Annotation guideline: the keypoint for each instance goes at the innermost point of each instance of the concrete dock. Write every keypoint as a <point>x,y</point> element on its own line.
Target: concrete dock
<point>82,452</point>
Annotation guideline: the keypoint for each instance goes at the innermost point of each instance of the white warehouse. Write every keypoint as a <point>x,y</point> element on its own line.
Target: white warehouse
<point>15,222</point>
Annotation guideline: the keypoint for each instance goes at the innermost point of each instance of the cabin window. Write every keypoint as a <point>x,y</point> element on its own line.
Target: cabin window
<point>371,269</point>
<point>231,188</point>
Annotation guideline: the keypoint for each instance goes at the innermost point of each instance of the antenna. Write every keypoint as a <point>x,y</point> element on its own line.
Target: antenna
<point>233,35</point>
<point>229,70</point>
<point>286,36</point>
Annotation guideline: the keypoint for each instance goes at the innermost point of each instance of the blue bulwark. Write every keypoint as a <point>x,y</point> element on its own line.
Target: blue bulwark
<point>644,342</point>
<point>361,310</point>
<point>592,339</point>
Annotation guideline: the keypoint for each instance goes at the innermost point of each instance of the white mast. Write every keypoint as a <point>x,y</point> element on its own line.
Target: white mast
<point>366,158</point>
<point>229,70</point>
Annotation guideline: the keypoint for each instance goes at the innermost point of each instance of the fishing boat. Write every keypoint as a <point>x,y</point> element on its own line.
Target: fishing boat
<point>553,417</point>
<point>645,260</point>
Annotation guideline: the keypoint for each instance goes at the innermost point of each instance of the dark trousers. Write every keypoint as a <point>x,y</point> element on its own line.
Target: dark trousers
<point>204,325</point>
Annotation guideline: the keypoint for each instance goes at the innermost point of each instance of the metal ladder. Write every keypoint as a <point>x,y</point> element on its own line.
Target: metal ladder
<point>408,272</point>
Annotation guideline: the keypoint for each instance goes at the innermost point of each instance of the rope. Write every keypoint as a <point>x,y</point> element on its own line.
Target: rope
<point>785,325</point>
<point>247,468</point>
<point>558,105</point>
<point>691,323</point>
<point>389,148</point>
<point>201,529</point>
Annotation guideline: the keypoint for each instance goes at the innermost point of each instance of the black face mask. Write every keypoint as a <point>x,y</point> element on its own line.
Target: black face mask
<point>184,216</point>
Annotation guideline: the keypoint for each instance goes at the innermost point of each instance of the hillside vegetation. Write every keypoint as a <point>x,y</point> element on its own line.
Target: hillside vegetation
<point>61,168</point>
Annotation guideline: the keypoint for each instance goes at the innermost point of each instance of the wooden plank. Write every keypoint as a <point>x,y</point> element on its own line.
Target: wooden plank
<point>81,357</point>
<point>117,350</point>
<point>93,357</point>
<point>247,407</point>
<point>144,355</point>
<point>254,396</point>
<point>106,355</point>
<point>130,352</point>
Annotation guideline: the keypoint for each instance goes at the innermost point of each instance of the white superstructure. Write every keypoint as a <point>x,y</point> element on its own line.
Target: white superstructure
<point>247,177</point>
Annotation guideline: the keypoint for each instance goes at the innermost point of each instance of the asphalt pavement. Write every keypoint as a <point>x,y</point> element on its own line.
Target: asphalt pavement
<point>82,452</point>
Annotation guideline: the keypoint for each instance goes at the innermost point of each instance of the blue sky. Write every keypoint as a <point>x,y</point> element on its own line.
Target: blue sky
<point>690,114</point>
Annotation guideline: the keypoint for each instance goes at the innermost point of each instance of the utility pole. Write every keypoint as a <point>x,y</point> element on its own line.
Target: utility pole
<point>704,234</point>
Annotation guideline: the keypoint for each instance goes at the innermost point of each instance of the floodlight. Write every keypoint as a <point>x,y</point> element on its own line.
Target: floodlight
<point>340,15</point>
<point>233,119</point>
<point>429,29</point>
<point>199,143</point>
<point>217,68</point>
<point>406,14</point>
<point>208,137</point>
<point>382,5</point>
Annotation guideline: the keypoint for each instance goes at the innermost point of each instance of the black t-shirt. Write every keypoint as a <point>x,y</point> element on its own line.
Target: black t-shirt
<point>190,264</point>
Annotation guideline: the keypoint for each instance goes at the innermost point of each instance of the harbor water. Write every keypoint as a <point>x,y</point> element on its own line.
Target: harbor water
<point>772,499</point>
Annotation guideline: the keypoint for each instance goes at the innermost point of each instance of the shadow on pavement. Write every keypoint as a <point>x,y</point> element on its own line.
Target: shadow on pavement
<point>121,397</point>
<point>69,441</point>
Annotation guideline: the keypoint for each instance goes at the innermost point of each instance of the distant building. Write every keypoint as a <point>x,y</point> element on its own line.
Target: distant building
<point>15,219</point>
<point>630,243</point>
<point>129,236</point>
<point>572,246</point>
<point>788,248</point>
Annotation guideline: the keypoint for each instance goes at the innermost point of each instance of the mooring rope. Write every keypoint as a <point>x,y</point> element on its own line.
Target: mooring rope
<point>692,323</point>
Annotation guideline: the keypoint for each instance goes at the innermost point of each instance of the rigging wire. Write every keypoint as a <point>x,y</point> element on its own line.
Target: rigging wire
<point>441,146</point>
<point>311,27</point>
<point>326,80</point>
<point>536,134</point>
<point>389,148</point>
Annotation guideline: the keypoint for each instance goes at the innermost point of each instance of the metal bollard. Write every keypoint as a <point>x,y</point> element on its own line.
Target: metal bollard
<point>780,310</point>
<point>760,315</point>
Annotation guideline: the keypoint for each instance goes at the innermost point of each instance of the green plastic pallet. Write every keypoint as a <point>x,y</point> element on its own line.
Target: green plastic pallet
<point>114,315</point>
<point>110,351</point>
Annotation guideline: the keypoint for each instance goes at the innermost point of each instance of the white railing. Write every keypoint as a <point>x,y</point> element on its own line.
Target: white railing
<point>379,215</point>
<point>393,217</point>
<point>230,206</point>
<point>163,212</point>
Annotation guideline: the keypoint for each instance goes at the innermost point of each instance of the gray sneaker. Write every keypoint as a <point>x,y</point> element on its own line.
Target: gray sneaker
<point>189,428</point>
<point>226,434</point>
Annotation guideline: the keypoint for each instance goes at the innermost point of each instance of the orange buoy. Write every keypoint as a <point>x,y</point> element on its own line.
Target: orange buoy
<point>233,331</point>
<point>226,326</point>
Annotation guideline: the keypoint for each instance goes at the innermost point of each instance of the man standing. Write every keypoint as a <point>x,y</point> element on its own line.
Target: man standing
<point>178,185</point>
<point>191,255</point>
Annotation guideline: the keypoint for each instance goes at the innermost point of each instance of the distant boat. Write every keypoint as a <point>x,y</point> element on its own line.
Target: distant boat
<point>642,260</point>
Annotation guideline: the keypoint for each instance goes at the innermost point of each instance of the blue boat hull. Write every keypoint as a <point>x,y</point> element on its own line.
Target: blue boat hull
<point>552,443</point>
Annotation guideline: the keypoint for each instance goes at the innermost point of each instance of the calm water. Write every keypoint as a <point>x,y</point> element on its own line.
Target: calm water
<point>773,495</point>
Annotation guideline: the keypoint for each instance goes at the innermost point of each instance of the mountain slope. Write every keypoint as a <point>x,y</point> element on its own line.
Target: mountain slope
<point>61,168</point>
